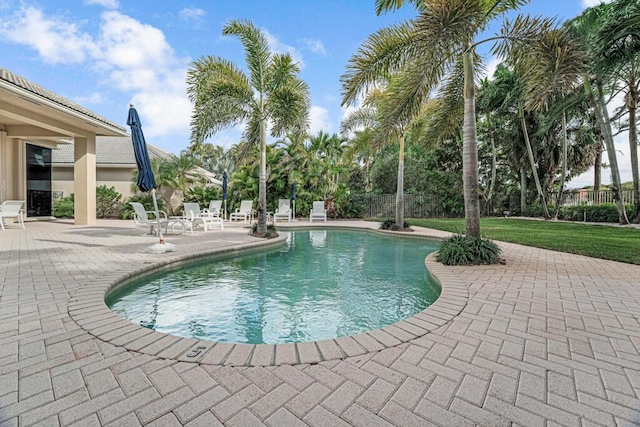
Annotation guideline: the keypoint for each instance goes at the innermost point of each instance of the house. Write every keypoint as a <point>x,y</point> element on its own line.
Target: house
<point>115,165</point>
<point>33,122</point>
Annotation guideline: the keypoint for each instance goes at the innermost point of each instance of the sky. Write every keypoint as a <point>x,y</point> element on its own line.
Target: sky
<point>107,54</point>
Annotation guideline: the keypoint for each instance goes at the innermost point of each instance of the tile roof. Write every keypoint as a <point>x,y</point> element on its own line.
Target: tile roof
<point>114,150</point>
<point>22,83</point>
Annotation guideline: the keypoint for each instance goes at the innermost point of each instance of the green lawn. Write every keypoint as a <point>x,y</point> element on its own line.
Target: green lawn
<point>598,241</point>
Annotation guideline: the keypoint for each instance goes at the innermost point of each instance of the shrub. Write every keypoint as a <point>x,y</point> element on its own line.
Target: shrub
<point>269,234</point>
<point>462,250</point>
<point>390,224</point>
<point>108,202</point>
<point>604,212</point>
<point>63,208</point>
<point>202,195</point>
<point>126,211</point>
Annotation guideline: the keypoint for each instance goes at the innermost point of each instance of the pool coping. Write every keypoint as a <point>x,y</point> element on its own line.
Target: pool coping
<point>88,310</point>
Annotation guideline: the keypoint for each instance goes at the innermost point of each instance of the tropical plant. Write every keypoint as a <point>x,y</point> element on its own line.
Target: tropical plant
<point>468,250</point>
<point>202,194</point>
<point>63,208</point>
<point>437,49</point>
<point>224,96</point>
<point>373,115</point>
<point>108,202</point>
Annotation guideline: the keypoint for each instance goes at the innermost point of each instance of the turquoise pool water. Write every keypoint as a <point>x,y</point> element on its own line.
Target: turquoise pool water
<point>322,284</point>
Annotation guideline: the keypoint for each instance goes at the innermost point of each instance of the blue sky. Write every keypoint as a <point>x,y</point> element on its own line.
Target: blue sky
<point>106,54</point>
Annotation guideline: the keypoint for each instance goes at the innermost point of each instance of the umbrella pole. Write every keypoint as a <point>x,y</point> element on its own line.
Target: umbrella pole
<point>155,206</point>
<point>224,214</point>
<point>294,210</point>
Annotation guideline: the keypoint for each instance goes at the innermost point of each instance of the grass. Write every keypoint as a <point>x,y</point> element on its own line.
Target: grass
<point>598,241</point>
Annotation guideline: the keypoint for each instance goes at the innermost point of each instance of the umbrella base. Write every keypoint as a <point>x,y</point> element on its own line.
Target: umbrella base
<point>160,248</point>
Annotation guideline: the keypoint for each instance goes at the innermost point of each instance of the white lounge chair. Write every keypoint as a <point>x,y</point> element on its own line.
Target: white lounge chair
<point>141,218</point>
<point>12,209</point>
<point>215,208</point>
<point>284,210</point>
<point>192,212</point>
<point>318,211</point>
<point>243,212</point>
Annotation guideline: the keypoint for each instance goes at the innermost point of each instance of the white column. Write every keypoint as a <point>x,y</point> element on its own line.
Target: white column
<point>84,180</point>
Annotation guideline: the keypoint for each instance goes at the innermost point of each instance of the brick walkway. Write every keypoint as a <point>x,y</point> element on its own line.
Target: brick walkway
<point>549,339</point>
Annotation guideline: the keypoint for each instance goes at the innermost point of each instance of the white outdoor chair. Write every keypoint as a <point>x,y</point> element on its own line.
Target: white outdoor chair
<point>318,211</point>
<point>192,213</point>
<point>284,210</point>
<point>243,212</point>
<point>215,208</point>
<point>141,218</point>
<point>12,209</point>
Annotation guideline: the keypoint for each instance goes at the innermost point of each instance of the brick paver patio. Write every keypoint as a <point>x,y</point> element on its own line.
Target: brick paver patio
<point>550,339</point>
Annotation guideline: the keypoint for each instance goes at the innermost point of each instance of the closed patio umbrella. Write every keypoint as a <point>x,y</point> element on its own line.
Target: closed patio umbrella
<point>146,180</point>
<point>225,192</point>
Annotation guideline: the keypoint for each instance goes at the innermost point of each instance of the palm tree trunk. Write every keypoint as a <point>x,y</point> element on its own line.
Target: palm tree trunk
<point>262,188</point>
<point>602,115</point>
<point>470,151</point>
<point>523,191</point>
<point>632,99</point>
<point>564,165</point>
<point>532,162</point>
<point>400,187</point>
<point>597,175</point>
<point>493,164</point>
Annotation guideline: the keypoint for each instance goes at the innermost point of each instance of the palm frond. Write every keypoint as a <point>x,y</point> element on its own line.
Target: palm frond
<point>221,95</point>
<point>382,54</point>
<point>256,47</point>
<point>288,107</point>
<point>516,35</point>
<point>359,119</point>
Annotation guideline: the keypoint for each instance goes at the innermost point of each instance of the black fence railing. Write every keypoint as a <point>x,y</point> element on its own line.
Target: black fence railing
<point>415,205</point>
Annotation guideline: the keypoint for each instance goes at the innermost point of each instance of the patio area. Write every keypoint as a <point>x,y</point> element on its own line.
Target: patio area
<point>549,339</point>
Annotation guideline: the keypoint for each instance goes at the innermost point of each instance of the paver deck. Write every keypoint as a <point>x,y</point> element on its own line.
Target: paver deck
<point>549,339</point>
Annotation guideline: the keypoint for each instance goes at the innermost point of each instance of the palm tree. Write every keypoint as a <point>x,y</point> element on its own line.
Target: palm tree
<point>224,96</point>
<point>619,46</point>
<point>372,115</point>
<point>439,43</point>
<point>588,28</point>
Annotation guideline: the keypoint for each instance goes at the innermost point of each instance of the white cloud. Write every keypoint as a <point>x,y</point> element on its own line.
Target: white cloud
<point>277,46</point>
<point>315,46</point>
<point>319,118</point>
<point>131,57</point>
<point>56,40</point>
<point>592,3</point>
<point>194,14</point>
<point>109,4</point>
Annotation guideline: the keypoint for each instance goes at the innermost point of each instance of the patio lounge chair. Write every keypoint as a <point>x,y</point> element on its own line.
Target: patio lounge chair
<point>284,210</point>
<point>243,212</point>
<point>215,208</point>
<point>141,218</point>
<point>12,209</point>
<point>192,212</point>
<point>318,211</point>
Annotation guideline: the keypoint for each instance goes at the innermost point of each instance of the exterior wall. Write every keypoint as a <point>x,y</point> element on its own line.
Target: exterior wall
<point>120,178</point>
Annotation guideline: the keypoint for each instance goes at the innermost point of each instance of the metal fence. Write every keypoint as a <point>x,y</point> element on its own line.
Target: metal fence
<point>590,197</point>
<point>384,205</point>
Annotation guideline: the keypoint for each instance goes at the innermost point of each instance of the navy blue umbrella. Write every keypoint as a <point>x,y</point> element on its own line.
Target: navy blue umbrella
<point>225,192</point>
<point>146,181</point>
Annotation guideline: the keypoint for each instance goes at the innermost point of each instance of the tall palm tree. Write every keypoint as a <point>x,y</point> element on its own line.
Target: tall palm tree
<point>619,45</point>
<point>373,115</point>
<point>224,96</point>
<point>588,27</point>
<point>423,52</point>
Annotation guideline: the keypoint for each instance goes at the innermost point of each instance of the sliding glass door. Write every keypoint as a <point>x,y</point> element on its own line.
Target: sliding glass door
<point>38,181</point>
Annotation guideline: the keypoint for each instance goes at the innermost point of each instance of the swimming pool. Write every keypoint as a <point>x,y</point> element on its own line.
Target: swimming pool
<point>321,284</point>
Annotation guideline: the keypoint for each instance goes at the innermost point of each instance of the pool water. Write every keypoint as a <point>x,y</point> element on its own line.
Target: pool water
<point>322,284</point>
